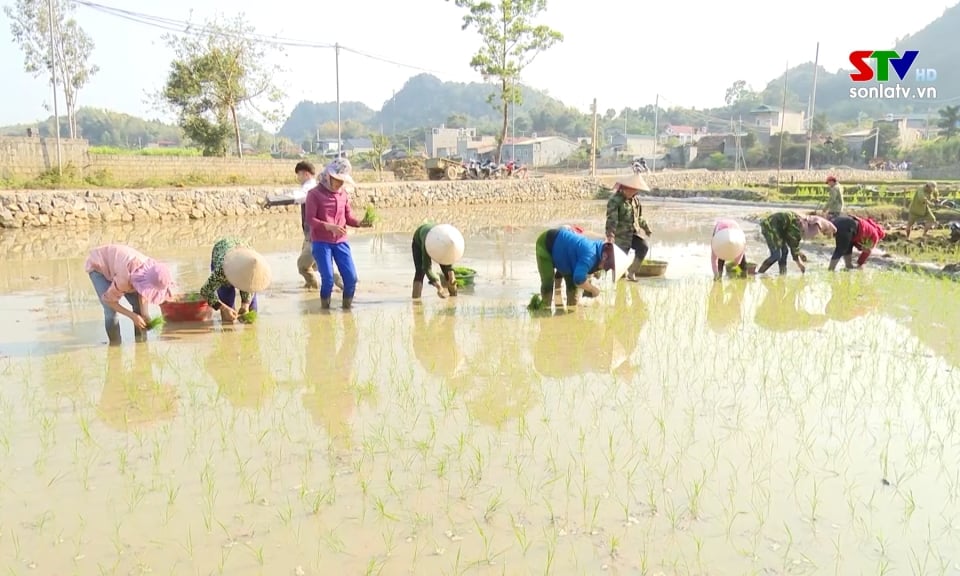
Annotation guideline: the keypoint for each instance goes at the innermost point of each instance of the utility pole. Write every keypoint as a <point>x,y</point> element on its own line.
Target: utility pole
<point>593,143</point>
<point>336,49</point>
<point>742,158</point>
<point>656,131</point>
<point>783,106</point>
<point>876,142</point>
<point>53,73</point>
<point>813,107</point>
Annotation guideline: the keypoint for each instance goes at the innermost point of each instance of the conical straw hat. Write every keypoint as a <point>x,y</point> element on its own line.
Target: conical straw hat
<point>444,244</point>
<point>246,270</point>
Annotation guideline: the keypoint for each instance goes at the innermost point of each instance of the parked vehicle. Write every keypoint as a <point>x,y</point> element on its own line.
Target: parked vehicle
<point>444,169</point>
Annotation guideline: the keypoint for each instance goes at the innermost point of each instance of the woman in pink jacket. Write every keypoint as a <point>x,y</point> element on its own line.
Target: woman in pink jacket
<point>119,271</point>
<point>328,214</point>
<point>717,263</point>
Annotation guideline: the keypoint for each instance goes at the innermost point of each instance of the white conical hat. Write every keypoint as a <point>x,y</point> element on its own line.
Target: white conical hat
<point>246,270</point>
<point>728,244</point>
<point>635,182</point>
<point>444,244</point>
<point>621,261</point>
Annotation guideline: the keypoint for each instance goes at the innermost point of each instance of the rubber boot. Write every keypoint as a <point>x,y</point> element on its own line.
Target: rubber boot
<point>113,335</point>
<point>324,303</point>
<point>417,290</point>
<point>139,335</point>
<point>848,261</point>
<point>347,303</point>
<point>547,297</point>
<point>634,269</point>
<point>782,268</point>
<point>573,297</point>
<point>764,267</point>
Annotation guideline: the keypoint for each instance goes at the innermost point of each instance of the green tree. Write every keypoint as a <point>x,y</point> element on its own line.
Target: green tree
<point>69,55</point>
<point>457,120</point>
<point>219,68</point>
<point>509,42</point>
<point>380,144</point>
<point>736,92</point>
<point>949,122</point>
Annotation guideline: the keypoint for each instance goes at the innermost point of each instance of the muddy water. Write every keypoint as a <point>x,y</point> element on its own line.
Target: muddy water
<point>797,425</point>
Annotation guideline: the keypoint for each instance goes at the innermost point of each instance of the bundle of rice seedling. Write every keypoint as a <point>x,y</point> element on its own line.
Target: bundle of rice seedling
<point>370,216</point>
<point>536,303</point>
<point>248,317</point>
<point>155,323</point>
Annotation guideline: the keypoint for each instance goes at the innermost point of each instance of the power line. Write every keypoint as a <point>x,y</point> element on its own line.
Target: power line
<point>185,27</point>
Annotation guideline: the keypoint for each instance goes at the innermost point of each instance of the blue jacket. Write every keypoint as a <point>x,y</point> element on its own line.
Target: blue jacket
<point>576,254</point>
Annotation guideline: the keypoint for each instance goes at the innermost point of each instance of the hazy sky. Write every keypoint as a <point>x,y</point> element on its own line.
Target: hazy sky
<point>623,53</point>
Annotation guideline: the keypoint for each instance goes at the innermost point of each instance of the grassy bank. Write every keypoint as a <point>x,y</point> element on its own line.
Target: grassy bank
<point>72,178</point>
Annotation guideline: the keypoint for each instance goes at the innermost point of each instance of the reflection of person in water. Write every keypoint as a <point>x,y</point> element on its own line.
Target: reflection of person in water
<point>850,297</point>
<point>559,350</point>
<point>237,367</point>
<point>132,397</point>
<point>497,381</point>
<point>328,375</point>
<point>780,310</point>
<point>724,306</point>
<point>435,342</point>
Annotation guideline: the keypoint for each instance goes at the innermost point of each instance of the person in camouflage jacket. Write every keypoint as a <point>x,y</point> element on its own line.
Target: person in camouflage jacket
<point>625,221</point>
<point>782,231</point>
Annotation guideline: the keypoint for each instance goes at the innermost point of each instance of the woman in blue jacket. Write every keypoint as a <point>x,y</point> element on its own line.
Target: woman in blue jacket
<point>575,257</point>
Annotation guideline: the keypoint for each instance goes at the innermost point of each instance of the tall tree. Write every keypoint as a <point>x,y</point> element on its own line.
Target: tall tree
<point>218,69</point>
<point>509,42</point>
<point>69,55</point>
<point>949,122</point>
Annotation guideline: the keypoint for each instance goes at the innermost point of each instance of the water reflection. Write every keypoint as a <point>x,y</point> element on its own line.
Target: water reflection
<point>435,342</point>
<point>781,310</point>
<point>498,381</point>
<point>328,375</point>
<point>725,305</point>
<point>132,395</point>
<point>852,295</point>
<point>236,365</point>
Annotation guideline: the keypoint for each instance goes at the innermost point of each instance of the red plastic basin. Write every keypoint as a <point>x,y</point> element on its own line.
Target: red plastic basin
<point>179,311</point>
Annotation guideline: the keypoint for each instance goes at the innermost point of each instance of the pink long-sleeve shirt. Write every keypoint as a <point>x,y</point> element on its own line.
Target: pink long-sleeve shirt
<point>117,263</point>
<point>722,224</point>
<point>325,206</point>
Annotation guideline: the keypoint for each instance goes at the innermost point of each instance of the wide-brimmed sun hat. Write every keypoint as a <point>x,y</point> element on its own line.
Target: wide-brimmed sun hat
<point>154,282</point>
<point>444,244</point>
<point>340,169</point>
<point>634,182</point>
<point>246,270</point>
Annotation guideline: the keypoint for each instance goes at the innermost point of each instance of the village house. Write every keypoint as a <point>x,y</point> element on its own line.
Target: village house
<point>357,146</point>
<point>532,152</point>
<point>445,142</point>
<point>631,146</point>
<point>766,121</point>
<point>327,147</point>
<point>681,134</point>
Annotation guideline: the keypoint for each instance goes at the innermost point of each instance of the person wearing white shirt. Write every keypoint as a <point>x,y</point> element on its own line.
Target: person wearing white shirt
<point>306,265</point>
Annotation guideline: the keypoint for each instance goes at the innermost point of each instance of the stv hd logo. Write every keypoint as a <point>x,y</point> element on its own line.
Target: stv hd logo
<point>886,59</point>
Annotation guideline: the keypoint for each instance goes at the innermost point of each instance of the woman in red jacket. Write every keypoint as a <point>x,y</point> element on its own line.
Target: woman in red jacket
<point>861,233</point>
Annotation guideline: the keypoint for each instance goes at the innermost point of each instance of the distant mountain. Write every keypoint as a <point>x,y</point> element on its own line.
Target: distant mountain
<point>424,100</point>
<point>937,49</point>
<point>105,128</point>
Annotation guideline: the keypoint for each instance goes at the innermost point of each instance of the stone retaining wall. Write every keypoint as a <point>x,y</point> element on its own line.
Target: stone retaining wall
<point>41,208</point>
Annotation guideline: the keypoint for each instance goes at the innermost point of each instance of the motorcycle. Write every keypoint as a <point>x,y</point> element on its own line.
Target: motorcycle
<point>514,170</point>
<point>490,170</point>
<point>639,167</point>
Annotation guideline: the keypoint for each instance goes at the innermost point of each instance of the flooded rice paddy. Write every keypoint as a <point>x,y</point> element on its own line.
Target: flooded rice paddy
<point>798,425</point>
